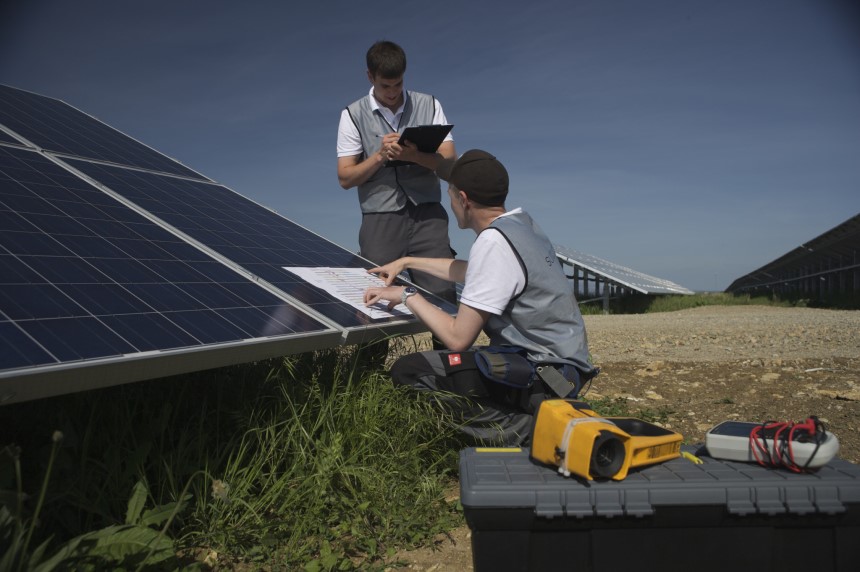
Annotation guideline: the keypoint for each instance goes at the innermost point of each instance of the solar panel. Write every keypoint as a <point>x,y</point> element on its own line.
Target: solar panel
<point>119,264</point>
<point>822,266</point>
<point>255,238</point>
<point>83,277</point>
<point>633,279</point>
<point>53,125</point>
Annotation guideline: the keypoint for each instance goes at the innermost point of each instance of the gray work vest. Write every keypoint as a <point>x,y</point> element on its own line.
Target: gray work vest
<point>389,188</point>
<point>544,319</point>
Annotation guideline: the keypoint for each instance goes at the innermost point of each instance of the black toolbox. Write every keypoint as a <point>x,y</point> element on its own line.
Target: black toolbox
<point>677,515</point>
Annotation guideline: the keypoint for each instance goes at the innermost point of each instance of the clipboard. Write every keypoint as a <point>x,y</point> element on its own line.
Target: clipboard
<point>426,137</point>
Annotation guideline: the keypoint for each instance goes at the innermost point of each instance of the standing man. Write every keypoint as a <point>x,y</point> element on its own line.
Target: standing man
<point>514,289</point>
<point>401,213</point>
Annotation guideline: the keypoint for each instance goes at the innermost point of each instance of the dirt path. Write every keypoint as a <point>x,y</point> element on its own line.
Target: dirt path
<point>710,364</point>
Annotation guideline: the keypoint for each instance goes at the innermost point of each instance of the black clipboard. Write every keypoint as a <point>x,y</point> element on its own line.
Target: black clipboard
<point>426,137</point>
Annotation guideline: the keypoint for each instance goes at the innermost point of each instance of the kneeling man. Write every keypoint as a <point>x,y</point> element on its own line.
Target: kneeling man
<point>515,290</point>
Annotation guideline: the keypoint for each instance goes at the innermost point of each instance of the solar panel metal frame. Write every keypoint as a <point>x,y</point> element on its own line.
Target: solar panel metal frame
<point>50,381</point>
<point>8,138</point>
<point>41,381</point>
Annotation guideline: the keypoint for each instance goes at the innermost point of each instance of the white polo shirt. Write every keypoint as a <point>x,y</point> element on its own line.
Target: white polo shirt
<point>494,274</point>
<point>349,140</point>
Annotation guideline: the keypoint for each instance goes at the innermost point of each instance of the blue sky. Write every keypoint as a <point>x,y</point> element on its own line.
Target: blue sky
<point>692,140</point>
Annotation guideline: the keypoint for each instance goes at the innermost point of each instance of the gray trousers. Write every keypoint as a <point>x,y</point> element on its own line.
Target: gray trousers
<point>486,411</point>
<point>415,230</point>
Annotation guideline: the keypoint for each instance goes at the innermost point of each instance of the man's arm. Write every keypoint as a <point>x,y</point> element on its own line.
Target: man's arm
<point>409,152</point>
<point>449,269</point>
<point>458,333</point>
<point>430,161</point>
<point>352,171</point>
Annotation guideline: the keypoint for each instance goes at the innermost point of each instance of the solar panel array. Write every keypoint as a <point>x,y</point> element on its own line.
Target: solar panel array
<point>823,266</point>
<point>118,263</point>
<point>628,277</point>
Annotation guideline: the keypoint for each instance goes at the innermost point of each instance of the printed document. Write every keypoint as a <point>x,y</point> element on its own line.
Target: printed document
<point>348,285</point>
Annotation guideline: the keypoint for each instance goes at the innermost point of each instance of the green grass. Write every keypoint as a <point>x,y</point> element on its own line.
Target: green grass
<point>640,303</point>
<point>312,461</point>
<point>674,303</point>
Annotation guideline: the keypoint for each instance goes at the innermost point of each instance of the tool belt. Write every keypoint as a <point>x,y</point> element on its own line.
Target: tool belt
<point>509,367</point>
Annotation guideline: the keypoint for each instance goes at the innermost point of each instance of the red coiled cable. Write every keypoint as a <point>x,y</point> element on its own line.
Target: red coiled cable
<point>779,453</point>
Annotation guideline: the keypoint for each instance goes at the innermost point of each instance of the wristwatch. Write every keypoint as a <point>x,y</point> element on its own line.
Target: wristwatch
<point>407,292</point>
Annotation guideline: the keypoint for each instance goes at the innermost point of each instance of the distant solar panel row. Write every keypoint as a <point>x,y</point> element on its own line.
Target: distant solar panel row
<point>621,274</point>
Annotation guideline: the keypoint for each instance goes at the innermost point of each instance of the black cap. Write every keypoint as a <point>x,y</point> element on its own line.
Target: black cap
<point>478,174</point>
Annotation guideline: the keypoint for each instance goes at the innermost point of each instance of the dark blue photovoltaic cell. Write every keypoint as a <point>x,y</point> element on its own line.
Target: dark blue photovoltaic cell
<point>20,350</point>
<point>73,339</point>
<point>83,277</point>
<point>56,126</point>
<point>259,240</point>
<point>149,332</point>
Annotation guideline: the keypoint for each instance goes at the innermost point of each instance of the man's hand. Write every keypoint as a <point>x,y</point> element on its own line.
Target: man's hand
<point>390,150</point>
<point>389,272</point>
<point>392,294</point>
<point>408,151</point>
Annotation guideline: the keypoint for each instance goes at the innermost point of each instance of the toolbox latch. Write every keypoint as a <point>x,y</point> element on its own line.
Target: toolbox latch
<point>578,504</point>
<point>827,500</point>
<point>798,501</point>
<point>548,505</point>
<point>768,500</point>
<point>638,503</point>
<point>609,503</point>
<point>739,501</point>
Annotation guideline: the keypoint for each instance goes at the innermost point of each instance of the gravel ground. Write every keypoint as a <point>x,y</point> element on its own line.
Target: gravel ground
<point>751,363</point>
<point>710,364</point>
